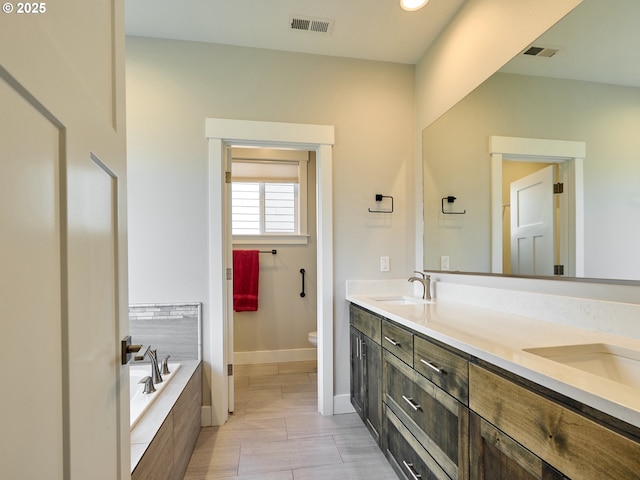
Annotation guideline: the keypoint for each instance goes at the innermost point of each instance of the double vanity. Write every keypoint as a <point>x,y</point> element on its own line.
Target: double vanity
<point>456,391</point>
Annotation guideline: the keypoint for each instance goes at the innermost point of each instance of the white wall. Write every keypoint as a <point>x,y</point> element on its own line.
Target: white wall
<point>484,35</point>
<point>173,86</point>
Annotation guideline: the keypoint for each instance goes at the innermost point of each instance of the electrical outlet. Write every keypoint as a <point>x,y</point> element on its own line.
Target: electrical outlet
<point>384,264</point>
<point>444,262</point>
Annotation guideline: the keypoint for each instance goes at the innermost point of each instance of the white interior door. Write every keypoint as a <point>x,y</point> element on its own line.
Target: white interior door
<point>31,314</point>
<point>229,289</point>
<point>63,243</point>
<point>533,224</point>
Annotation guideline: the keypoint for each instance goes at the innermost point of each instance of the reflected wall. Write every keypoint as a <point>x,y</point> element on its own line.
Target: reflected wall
<point>456,162</point>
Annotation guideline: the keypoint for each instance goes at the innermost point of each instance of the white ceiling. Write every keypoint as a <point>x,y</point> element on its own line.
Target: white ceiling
<point>598,41</point>
<point>365,29</point>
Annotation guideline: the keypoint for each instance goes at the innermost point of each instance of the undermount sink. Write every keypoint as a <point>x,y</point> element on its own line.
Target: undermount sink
<point>400,300</point>
<point>619,364</point>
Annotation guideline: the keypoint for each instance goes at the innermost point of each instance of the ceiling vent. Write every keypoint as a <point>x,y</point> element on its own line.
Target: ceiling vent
<point>303,23</point>
<point>541,51</point>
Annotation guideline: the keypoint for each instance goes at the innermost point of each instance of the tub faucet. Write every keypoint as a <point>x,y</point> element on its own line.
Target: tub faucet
<point>155,371</point>
<point>148,385</point>
<point>425,280</point>
<point>165,365</point>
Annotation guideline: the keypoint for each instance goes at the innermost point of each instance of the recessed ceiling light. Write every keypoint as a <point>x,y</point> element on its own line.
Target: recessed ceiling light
<point>412,5</point>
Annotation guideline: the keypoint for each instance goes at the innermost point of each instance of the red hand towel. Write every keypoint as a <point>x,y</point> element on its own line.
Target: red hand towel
<point>246,270</point>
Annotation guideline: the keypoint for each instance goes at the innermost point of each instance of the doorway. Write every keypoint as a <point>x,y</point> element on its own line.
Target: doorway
<point>220,134</point>
<point>569,155</point>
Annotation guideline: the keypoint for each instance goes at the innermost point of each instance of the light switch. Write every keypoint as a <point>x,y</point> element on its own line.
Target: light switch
<point>384,264</point>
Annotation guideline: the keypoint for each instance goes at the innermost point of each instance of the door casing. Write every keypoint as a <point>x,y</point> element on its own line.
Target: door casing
<point>318,138</point>
<point>570,156</point>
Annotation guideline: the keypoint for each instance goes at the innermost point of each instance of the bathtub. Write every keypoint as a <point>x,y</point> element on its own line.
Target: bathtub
<point>140,402</point>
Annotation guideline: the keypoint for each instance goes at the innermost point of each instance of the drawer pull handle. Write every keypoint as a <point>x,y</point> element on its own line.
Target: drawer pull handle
<point>431,365</point>
<point>392,341</point>
<point>411,402</point>
<point>409,467</point>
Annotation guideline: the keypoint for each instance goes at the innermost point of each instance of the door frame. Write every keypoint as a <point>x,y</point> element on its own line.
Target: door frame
<point>570,156</point>
<point>320,139</point>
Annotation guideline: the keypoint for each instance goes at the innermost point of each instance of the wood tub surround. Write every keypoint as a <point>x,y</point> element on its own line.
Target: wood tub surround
<point>447,415</point>
<point>163,453</point>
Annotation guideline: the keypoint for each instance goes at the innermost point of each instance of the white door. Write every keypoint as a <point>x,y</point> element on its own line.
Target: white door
<point>533,223</point>
<point>229,290</point>
<point>62,242</point>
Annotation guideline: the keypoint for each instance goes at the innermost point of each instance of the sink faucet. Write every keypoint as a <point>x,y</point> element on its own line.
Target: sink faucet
<point>425,280</point>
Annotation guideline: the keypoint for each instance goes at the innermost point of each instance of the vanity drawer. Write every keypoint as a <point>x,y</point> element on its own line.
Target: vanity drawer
<point>435,419</point>
<point>407,457</point>
<point>398,340</point>
<point>444,368</point>
<point>366,322</point>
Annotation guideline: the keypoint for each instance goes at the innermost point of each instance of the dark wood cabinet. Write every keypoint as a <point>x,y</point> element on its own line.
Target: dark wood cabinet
<point>366,370</point>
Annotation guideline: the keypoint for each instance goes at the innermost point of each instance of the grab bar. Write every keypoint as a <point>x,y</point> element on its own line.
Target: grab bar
<point>302,294</point>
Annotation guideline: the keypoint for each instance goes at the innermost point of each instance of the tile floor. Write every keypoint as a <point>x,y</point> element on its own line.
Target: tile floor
<point>276,433</point>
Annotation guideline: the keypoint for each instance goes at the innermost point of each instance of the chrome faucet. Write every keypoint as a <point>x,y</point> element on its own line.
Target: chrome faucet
<point>155,371</point>
<point>165,365</point>
<point>425,280</point>
<point>148,385</point>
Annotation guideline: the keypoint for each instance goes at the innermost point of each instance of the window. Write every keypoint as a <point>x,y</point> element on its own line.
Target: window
<point>268,195</point>
<point>259,208</point>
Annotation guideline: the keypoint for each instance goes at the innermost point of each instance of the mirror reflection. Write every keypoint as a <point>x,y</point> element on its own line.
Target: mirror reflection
<point>583,89</point>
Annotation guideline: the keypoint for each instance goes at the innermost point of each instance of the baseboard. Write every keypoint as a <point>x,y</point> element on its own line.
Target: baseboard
<point>205,415</point>
<point>275,356</point>
<point>342,404</point>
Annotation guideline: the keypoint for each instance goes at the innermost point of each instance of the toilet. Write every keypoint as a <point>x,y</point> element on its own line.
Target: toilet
<point>313,338</point>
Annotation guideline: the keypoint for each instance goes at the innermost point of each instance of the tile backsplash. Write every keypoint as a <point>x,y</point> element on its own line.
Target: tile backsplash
<point>170,328</point>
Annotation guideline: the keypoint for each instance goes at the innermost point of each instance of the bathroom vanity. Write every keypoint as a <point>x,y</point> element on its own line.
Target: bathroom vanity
<point>452,391</point>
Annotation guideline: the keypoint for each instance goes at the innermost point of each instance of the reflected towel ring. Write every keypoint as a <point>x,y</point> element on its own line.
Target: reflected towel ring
<point>451,199</point>
<point>379,198</point>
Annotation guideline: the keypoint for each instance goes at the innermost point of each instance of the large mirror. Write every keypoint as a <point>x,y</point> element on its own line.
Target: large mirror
<point>585,94</point>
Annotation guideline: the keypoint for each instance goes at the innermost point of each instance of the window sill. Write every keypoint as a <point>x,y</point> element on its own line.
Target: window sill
<point>270,239</point>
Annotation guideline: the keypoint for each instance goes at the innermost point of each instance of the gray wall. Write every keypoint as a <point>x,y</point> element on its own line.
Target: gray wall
<point>173,86</point>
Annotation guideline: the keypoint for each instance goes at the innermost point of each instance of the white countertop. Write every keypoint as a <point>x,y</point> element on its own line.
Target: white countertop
<point>499,338</point>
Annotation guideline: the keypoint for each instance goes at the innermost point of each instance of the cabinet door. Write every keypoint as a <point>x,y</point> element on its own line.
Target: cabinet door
<point>372,386</point>
<point>436,419</point>
<point>495,456</point>
<point>357,397</point>
<point>571,442</point>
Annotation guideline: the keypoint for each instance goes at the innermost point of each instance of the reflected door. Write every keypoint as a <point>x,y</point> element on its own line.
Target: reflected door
<point>533,224</point>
